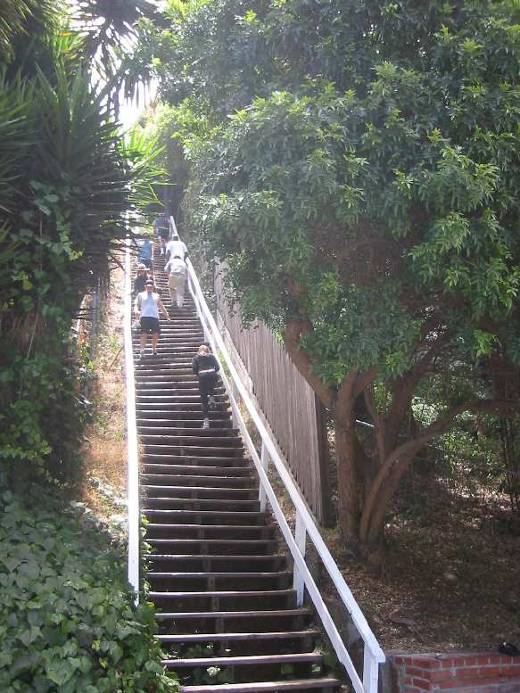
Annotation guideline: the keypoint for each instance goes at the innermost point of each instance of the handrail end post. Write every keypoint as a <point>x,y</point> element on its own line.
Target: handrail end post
<point>370,671</point>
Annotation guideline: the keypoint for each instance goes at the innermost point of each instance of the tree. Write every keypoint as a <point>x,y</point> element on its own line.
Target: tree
<point>67,181</point>
<point>365,204</point>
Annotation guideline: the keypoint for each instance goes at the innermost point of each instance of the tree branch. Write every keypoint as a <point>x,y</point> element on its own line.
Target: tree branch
<point>291,337</point>
<point>410,448</point>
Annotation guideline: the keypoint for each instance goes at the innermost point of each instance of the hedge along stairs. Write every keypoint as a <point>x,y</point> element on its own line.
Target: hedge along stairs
<point>226,609</point>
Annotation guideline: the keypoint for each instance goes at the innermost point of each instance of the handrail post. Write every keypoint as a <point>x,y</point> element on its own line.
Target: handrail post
<point>264,461</point>
<point>131,437</point>
<point>370,671</point>
<point>300,537</point>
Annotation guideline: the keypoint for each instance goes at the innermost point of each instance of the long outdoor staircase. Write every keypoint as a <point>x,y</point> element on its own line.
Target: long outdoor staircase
<point>227,612</point>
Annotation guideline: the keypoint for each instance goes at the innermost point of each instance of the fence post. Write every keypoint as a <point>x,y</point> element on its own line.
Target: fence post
<point>300,537</point>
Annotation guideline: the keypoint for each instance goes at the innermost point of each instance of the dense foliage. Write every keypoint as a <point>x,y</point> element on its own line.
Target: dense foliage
<point>67,618</point>
<point>67,180</point>
<point>358,173</point>
<point>69,183</point>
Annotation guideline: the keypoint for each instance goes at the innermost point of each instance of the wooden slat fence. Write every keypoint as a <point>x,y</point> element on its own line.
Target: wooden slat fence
<point>286,400</point>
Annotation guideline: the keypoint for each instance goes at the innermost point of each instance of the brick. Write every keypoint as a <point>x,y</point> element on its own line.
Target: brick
<point>424,684</point>
<point>444,675</point>
<point>417,671</point>
<point>489,672</point>
<point>510,670</point>
<point>427,662</point>
<point>473,661</point>
<point>468,684</point>
<point>450,662</point>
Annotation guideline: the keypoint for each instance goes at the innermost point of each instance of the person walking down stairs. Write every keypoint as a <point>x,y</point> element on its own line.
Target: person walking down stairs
<point>148,304</point>
<point>206,367</point>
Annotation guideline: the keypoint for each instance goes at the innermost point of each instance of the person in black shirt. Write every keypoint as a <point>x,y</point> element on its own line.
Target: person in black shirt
<point>206,367</point>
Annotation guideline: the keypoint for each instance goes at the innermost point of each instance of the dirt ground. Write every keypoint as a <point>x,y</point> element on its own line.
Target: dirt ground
<point>451,574</point>
<point>105,443</point>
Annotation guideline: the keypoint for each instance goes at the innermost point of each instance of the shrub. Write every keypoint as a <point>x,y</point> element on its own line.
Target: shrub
<point>67,619</point>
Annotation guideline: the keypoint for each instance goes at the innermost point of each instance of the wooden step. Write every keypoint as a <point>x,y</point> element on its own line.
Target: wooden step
<point>262,618</point>
<point>314,684</point>
<point>220,426</point>
<point>216,417</point>
<point>193,481</point>
<point>214,546</point>
<point>224,563</point>
<point>185,638</point>
<point>198,492</point>
<point>194,450</point>
<point>202,531</point>
<point>216,581</point>
<point>193,440</point>
<point>256,660</point>
<point>213,575</point>
<point>204,517</point>
<point>197,461</point>
<point>202,504</point>
<point>254,663</point>
<point>198,468</point>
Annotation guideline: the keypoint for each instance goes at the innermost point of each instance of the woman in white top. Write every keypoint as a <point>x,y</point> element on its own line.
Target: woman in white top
<point>147,307</point>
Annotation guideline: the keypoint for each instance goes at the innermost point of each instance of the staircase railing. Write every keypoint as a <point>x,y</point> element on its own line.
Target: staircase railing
<point>305,526</point>
<point>131,435</point>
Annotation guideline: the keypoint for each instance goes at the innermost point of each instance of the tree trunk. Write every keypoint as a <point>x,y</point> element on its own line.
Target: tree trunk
<point>350,479</point>
<point>349,482</point>
<point>372,531</point>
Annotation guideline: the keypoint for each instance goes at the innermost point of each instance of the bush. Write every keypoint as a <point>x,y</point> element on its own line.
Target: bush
<point>67,619</point>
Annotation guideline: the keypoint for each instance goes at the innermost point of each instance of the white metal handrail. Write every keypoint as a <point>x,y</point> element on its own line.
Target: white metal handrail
<point>305,524</point>
<point>131,435</point>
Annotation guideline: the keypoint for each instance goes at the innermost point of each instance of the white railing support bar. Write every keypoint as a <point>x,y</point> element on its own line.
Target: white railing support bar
<point>131,436</point>
<point>264,461</point>
<point>300,537</point>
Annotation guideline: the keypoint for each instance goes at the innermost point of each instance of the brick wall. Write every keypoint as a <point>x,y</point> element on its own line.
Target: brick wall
<point>456,673</point>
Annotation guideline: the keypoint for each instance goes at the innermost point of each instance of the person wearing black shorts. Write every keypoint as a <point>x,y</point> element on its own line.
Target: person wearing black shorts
<point>148,304</point>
